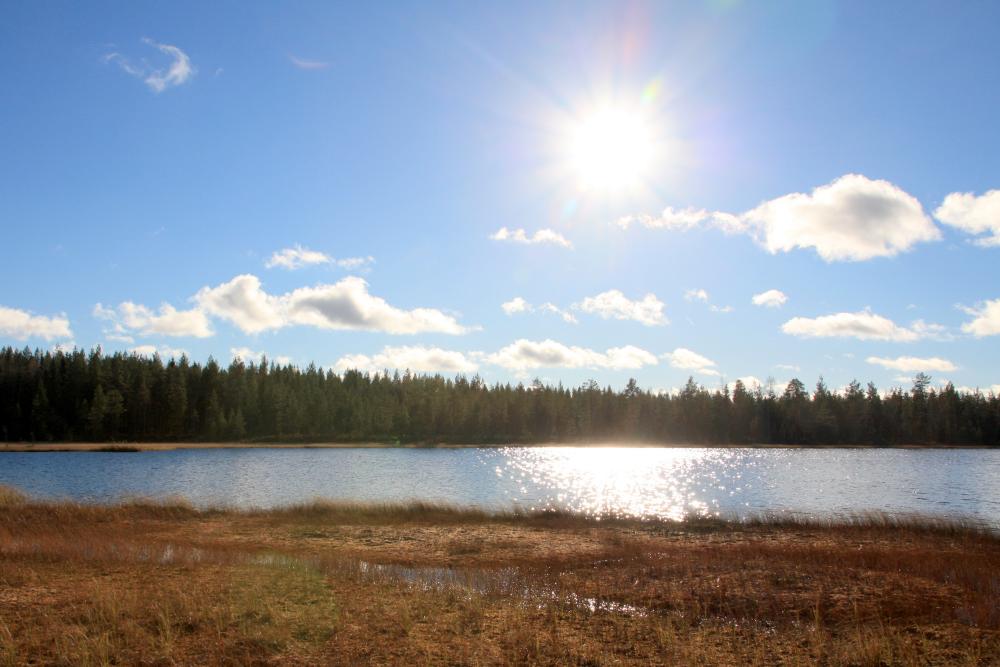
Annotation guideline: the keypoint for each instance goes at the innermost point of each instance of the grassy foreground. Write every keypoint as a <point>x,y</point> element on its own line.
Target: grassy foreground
<point>146,583</point>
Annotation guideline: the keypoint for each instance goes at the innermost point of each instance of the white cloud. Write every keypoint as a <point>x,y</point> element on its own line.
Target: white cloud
<point>974,215</point>
<point>130,318</point>
<point>415,358</point>
<point>989,389</point>
<point>355,263</point>
<point>853,218</point>
<point>863,325</point>
<point>689,360</point>
<point>986,320</point>
<point>302,63</point>
<point>178,72</point>
<point>296,257</point>
<point>907,364</point>
<point>21,325</point>
<point>696,295</point>
<point>525,354</point>
<point>243,302</point>
<point>788,367</point>
<point>245,353</point>
<point>720,309</point>
<point>346,304</point>
<point>615,305</point>
<point>685,219</point>
<point>540,236</point>
<point>164,351</point>
<point>516,305</point>
<point>751,382</point>
<point>772,298</point>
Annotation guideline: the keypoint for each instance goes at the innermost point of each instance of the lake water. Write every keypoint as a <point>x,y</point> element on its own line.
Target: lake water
<point>664,482</point>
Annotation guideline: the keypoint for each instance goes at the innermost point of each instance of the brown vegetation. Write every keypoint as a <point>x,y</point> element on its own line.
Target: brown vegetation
<point>163,583</point>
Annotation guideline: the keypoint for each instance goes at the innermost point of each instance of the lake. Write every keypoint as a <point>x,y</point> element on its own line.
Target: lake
<point>641,481</point>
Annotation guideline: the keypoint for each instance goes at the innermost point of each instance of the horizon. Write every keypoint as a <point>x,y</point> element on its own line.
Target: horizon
<point>722,190</point>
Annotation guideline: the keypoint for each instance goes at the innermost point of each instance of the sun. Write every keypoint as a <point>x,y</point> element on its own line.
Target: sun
<point>611,150</point>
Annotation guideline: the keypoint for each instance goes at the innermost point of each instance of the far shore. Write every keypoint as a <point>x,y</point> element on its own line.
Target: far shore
<point>166,446</point>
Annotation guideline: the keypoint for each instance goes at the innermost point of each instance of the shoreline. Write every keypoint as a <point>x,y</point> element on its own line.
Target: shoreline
<point>134,447</point>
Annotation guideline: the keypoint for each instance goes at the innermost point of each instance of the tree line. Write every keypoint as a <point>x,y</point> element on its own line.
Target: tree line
<point>91,396</point>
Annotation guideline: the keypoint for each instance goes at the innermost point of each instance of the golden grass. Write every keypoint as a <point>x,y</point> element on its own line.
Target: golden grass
<point>146,582</point>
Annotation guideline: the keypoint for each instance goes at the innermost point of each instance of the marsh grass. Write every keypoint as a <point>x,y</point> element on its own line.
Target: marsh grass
<point>162,582</point>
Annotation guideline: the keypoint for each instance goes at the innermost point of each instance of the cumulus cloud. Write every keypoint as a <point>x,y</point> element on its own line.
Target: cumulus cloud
<point>130,318</point>
<point>689,360</point>
<point>908,364</point>
<point>853,218</point>
<point>176,73</point>
<point>346,304</point>
<point>863,325</point>
<point>165,351</point>
<point>524,354</point>
<point>986,319</point>
<point>21,325</point>
<point>615,305</point>
<point>973,215</point>
<point>518,305</point>
<point>772,298</point>
<point>540,236</point>
<point>414,358</point>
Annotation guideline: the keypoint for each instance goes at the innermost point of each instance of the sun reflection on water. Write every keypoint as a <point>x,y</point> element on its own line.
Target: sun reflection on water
<point>634,481</point>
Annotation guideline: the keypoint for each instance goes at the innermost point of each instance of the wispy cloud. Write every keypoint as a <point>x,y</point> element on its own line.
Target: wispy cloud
<point>298,257</point>
<point>303,63</point>
<point>178,71</point>
<point>518,305</point>
<point>907,364</point>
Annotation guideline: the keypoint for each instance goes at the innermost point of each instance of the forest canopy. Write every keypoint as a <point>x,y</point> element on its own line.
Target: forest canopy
<point>81,396</point>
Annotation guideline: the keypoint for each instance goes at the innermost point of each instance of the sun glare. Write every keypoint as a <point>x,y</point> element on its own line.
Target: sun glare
<point>611,150</point>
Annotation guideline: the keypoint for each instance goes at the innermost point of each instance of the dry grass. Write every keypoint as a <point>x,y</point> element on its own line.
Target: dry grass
<point>162,583</point>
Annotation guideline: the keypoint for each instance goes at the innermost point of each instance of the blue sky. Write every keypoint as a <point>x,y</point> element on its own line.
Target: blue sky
<point>369,186</point>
